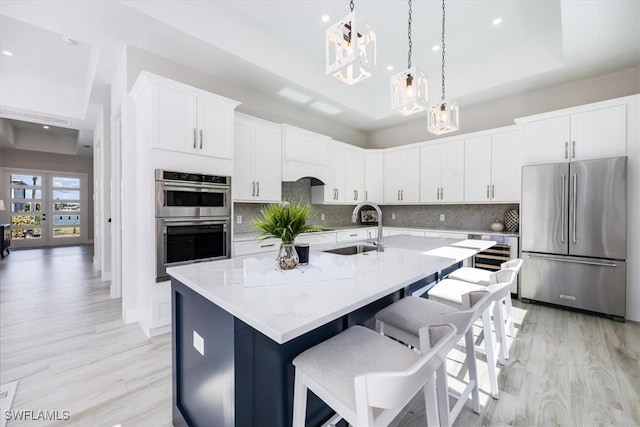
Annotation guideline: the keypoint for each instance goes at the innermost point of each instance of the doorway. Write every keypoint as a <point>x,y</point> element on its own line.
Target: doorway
<point>47,208</point>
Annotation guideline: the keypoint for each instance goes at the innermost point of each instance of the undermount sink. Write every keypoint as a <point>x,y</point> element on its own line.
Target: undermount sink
<point>352,250</point>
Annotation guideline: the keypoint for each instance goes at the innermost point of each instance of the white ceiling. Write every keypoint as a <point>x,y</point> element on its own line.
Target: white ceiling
<point>270,45</point>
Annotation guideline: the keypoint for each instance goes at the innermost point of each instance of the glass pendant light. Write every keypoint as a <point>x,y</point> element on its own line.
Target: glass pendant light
<point>409,88</point>
<point>443,116</point>
<point>351,49</point>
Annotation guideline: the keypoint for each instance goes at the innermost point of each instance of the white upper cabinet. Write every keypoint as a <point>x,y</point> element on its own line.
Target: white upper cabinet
<point>493,167</point>
<point>333,190</point>
<point>190,120</point>
<point>373,176</point>
<point>402,176</point>
<point>442,172</point>
<point>597,133</point>
<point>354,176</point>
<point>257,173</point>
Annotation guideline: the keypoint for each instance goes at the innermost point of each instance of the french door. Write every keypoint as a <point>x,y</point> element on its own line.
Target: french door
<point>47,208</point>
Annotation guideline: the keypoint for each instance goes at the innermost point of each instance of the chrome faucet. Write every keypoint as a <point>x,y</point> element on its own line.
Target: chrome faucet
<point>354,218</point>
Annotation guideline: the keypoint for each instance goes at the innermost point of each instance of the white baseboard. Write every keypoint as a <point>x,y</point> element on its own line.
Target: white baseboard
<point>154,332</point>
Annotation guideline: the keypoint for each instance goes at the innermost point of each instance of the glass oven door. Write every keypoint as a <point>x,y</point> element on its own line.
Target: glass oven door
<point>184,241</point>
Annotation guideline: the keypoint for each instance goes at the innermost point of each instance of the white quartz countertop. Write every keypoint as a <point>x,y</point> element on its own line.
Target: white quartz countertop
<point>284,312</point>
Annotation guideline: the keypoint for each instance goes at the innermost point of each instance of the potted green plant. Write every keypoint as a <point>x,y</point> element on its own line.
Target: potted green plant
<point>285,221</point>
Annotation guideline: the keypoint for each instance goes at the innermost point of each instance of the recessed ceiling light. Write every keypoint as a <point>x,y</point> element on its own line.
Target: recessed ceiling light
<point>7,53</point>
<point>68,40</point>
<point>497,21</point>
<point>325,108</point>
<point>325,18</point>
<point>45,127</point>
<point>294,95</point>
<point>435,48</point>
<point>389,67</point>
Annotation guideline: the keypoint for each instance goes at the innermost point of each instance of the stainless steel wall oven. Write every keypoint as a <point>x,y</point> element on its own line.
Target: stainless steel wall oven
<point>193,219</point>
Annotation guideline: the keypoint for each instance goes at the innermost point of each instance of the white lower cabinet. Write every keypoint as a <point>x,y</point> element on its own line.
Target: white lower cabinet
<point>248,247</point>
<point>351,235</point>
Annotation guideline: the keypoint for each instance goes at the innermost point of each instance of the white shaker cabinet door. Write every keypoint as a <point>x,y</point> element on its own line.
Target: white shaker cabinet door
<point>374,173</point>
<point>547,141</point>
<point>174,120</point>
<point>506,166</point>
<point>215,133</point>
<point>599,133</point>
<point>243,162</point>
<point>430,165</point>
<point>452,172</point>
<point>354,180</point>
<point>477,161</point>
<point>268,163</point>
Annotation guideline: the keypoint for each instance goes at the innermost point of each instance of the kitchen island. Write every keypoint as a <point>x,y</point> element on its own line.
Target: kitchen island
<point>233,345</point>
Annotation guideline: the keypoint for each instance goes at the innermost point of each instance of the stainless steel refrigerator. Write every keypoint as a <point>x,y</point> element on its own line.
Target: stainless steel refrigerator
<point>574,234</point>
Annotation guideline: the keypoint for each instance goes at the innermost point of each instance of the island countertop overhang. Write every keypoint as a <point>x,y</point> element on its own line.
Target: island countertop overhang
<point>284,312</point>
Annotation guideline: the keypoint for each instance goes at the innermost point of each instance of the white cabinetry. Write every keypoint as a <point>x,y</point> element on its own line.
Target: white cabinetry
<point>190,120</point>
<point>354,176</point>
<point>402,176</point>
<point>333,190</point>
<point>257,175</point>
<point>597,133</point>
<point>442,172</point>
<point>373,176</point>
<point>492,167</point>
<point>352,235</point>
<point>304,153</point>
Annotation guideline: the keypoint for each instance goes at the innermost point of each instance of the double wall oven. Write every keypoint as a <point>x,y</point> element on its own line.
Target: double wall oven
<point>193,219</point>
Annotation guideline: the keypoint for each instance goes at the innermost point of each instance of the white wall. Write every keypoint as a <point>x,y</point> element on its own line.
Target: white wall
<point>253,103</point>
<point>102,192</point>
<point>502,112</point>
<point>43,141</point>
<point>7,133</point>
<point>633,214</point>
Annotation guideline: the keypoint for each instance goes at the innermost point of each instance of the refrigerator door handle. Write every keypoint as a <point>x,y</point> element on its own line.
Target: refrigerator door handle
<point>563,208</point>
<point>575,207</point>
<point>574,261</point>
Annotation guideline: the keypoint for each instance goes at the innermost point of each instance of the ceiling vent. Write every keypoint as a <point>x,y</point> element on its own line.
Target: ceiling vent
<point>8,113</point>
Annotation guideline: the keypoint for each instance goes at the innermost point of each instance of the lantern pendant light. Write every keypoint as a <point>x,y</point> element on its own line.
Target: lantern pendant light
<point>409,88</point>
<point>351,49</point>
<point>443,116</point>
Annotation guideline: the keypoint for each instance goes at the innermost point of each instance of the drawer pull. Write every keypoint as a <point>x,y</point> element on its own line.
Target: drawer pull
<point>353,235</point>
<point>267,246</point>
<point>569,297</point>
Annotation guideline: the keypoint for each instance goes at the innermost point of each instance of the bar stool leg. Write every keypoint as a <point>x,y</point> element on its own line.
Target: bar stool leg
<point>489,348</point>
<point>431,401</point>
<point>509,308</point>
<point>499,324</point>
<point>473,369</point>
<point>299,400</point>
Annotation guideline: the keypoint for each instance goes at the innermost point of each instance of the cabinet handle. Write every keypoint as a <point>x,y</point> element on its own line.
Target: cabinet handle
<point>441,193</point>
<point>194,137</point>
<point>401,194</point>
<point>253,192</point>
<point>573,149</point>
<point>337,193</point>
<point>201,139</point>
<point>566,149</point>
<point>366,194</point>
<point>398,194</point>
<point>487,191</point>
<point>268,246</point>
<point>357,195</point>
<point>353,235</point>
<point>493,191</point>
<point>257,188</point>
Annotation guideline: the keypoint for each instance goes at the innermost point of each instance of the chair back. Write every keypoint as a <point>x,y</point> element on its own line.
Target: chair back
<point>474,304</point>
<point>513,264</point>
<point>388,390</point>
<point>501,282</point>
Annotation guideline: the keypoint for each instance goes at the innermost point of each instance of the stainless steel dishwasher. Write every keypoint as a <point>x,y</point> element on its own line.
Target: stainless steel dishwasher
<point>506,248</point>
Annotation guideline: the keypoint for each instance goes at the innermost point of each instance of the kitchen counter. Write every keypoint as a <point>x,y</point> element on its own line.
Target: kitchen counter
<point>233,345</point>
<point>284,312</point>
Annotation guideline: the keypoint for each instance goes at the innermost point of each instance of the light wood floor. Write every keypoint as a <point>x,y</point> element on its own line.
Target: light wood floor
<point>62,337</point>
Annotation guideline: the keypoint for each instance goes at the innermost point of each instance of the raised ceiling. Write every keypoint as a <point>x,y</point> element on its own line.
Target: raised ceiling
<point>272,45</point>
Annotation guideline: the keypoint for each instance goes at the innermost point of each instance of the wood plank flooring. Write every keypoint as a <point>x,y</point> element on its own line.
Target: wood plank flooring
<point>63,338</point>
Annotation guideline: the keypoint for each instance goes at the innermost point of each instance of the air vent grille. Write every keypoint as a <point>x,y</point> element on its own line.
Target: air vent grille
<point>5,112</point>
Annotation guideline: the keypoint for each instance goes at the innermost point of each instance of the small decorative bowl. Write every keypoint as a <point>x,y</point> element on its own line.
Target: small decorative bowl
<point>497,226</point>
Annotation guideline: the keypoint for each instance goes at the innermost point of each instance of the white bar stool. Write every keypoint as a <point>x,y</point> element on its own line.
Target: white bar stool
<point>403,319</point>
<point>450,292</point>
<point>368,378</point>
<point>483,277</point>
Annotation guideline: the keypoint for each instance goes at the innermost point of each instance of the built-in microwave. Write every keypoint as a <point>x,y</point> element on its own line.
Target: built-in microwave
<point>181,194</point>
